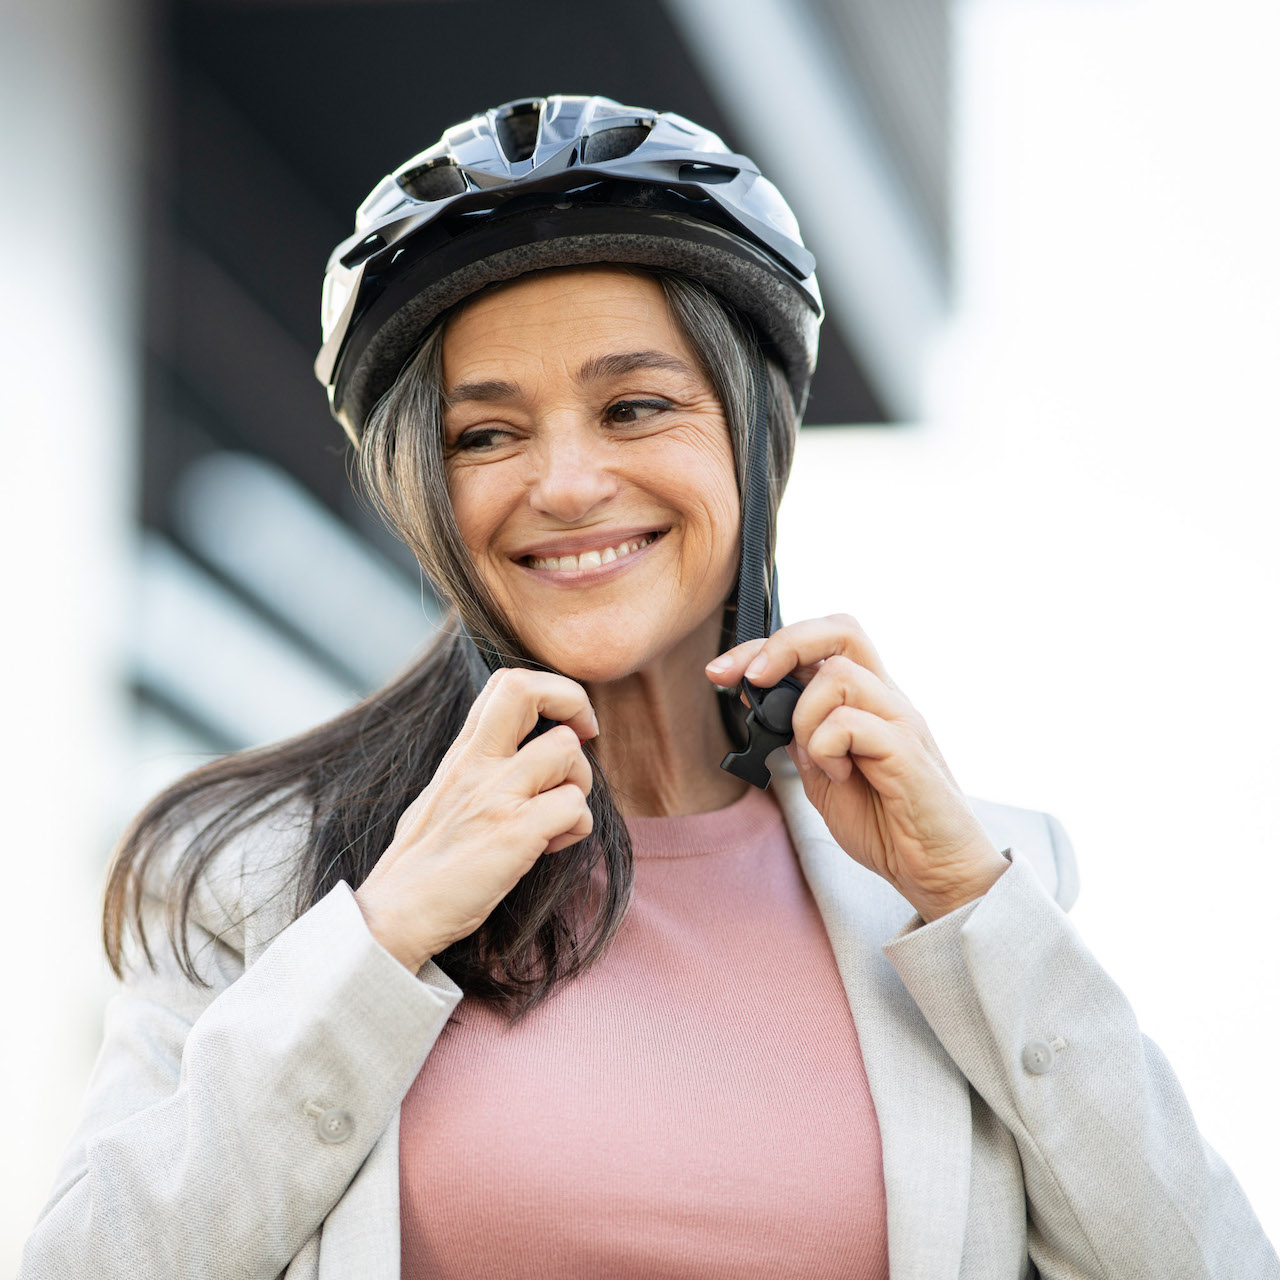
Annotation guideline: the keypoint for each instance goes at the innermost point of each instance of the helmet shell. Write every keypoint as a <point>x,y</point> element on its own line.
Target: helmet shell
<point>559,181</point>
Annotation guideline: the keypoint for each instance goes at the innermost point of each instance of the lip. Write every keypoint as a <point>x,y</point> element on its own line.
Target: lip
<point>589,540</point>
<point>602,573</point>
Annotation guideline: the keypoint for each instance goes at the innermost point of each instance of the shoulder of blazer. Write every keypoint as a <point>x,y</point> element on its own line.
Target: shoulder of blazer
<point>246,894</point>
<point>1040,836</point>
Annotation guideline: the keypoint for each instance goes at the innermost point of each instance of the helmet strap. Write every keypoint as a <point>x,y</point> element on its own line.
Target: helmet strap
<point>482,660</point>
<point>757,580</point>
<point>768,724</point>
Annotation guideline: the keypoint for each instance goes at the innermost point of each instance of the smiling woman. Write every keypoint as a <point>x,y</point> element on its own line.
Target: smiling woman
<point>479,473</point>
<point>510,970</point>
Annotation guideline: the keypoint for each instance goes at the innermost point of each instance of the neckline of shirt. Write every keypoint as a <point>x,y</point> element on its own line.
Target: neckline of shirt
<point>749,819</point>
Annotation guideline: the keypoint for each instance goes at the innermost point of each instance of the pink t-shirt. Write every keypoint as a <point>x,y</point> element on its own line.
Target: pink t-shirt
<point>693,1106</point>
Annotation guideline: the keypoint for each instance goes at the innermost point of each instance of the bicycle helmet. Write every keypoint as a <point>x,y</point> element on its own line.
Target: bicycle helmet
<point>570,181</point>
<point>558,181</point>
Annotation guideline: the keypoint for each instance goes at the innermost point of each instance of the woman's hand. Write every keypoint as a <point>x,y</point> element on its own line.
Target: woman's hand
<point>492,809</point>
<point>869,763</point>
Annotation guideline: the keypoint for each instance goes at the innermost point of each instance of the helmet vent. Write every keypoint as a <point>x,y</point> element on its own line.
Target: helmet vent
<point>707,174</point>
<point>436,180</point>
<point>610,144</point>
<point>363,251</point>
<point>518,130</point>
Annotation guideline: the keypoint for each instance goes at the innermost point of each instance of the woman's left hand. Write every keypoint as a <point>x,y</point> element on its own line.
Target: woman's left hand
<point>870,765</point>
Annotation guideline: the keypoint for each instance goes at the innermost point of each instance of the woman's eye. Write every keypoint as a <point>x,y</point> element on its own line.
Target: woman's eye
<point>627,411</point>
<point>483,438</point>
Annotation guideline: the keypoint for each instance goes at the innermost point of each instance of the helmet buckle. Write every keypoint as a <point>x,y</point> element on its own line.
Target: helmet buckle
<point>768,728</point>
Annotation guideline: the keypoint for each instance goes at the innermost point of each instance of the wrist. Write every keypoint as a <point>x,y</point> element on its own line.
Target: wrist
<point>972,884</point>
<point>389,938</point>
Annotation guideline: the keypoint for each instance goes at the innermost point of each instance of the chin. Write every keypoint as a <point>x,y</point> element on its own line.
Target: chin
<point>596,650</point>
<point>598,646</point>
<point>588,666</point>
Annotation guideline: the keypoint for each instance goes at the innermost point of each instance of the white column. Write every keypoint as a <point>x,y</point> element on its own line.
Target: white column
<point>774,72</point>
<point>71,158</point>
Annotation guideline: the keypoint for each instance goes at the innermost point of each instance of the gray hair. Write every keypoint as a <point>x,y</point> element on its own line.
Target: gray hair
<point>360,771</point>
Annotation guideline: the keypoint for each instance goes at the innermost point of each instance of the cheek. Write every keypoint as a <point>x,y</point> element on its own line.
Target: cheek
<point>478,507</point>
<point>475,507</point>
<point>725,552</point>
<point>725,504</point>
<point>721,486</point>
<point>710,499</point>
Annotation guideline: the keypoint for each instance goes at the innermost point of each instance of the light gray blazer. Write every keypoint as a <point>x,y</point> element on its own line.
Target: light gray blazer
<point>251,1130</point>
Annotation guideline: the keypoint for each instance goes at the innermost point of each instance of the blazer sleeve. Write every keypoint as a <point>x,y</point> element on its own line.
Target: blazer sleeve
<point>222,1124</point>
<point>1119,1181</point>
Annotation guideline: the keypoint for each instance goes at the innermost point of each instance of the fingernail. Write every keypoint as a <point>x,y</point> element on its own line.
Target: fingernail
<point>758,666</point>
<point>802,758</point>
<point>718,665</point>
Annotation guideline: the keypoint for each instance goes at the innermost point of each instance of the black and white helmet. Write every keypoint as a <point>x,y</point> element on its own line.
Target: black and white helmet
<point>559,181</point>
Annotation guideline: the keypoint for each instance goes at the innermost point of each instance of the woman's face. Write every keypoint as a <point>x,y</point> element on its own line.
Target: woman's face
<point>590,469</point>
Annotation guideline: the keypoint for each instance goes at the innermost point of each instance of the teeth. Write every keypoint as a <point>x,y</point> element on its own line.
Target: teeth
<point>591,559</point>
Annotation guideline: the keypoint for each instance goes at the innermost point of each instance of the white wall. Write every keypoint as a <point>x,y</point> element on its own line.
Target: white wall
<point>69,85</point>
<point>1072,566</point>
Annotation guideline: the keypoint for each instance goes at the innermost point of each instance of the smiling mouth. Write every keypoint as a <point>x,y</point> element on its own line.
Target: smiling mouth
<point>593,559</point>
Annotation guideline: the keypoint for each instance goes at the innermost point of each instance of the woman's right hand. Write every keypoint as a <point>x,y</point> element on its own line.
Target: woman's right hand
<point>491,810</point>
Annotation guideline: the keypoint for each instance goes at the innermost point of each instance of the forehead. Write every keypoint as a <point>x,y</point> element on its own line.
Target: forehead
<point>558,318</point>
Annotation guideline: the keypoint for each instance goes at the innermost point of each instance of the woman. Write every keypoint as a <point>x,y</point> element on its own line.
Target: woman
<point>502,973</point>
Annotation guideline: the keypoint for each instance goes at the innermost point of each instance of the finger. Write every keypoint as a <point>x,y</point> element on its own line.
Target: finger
<point>477,707</point>
<point>560,816</point>
<point>519,698</point>
<point>727,668</point>
<point>801,648</point>
<point>550,759</point>
<point>563,842</point>
<point>841,682</point>
<point>579,831</point>
<point>457,746</point>
<point>849,732</point>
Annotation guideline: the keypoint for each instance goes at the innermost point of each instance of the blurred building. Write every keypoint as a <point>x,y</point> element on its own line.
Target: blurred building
<point>269,123</point>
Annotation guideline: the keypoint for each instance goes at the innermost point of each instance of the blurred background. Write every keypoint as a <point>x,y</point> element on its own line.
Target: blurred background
<point>1039,463</point>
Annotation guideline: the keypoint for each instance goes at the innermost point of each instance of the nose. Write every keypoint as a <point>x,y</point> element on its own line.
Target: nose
<point>574,473</point>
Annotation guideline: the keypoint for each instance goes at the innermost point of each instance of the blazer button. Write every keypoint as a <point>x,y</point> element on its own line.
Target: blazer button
<point>335,1125</point>
<point>1037,1057</point>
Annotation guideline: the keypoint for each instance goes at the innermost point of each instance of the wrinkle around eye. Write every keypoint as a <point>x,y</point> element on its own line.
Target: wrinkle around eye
<point>654,406</point>
<point>478,440</point>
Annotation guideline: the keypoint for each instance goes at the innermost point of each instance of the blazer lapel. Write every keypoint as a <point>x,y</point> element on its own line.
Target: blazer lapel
<point>921,1097</point>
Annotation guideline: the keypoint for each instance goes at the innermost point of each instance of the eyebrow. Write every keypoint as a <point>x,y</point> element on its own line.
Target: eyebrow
<point>615,366</point>
<point>597,369</point>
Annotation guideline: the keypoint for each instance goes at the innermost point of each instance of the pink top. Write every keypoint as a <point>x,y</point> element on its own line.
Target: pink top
<point>694,1105</point>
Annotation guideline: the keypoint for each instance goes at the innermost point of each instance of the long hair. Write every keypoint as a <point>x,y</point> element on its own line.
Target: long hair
<point>357,773</point>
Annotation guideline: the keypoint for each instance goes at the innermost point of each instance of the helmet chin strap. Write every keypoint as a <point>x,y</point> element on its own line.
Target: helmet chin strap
<point>482,661</point>
<point>768,723</point>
